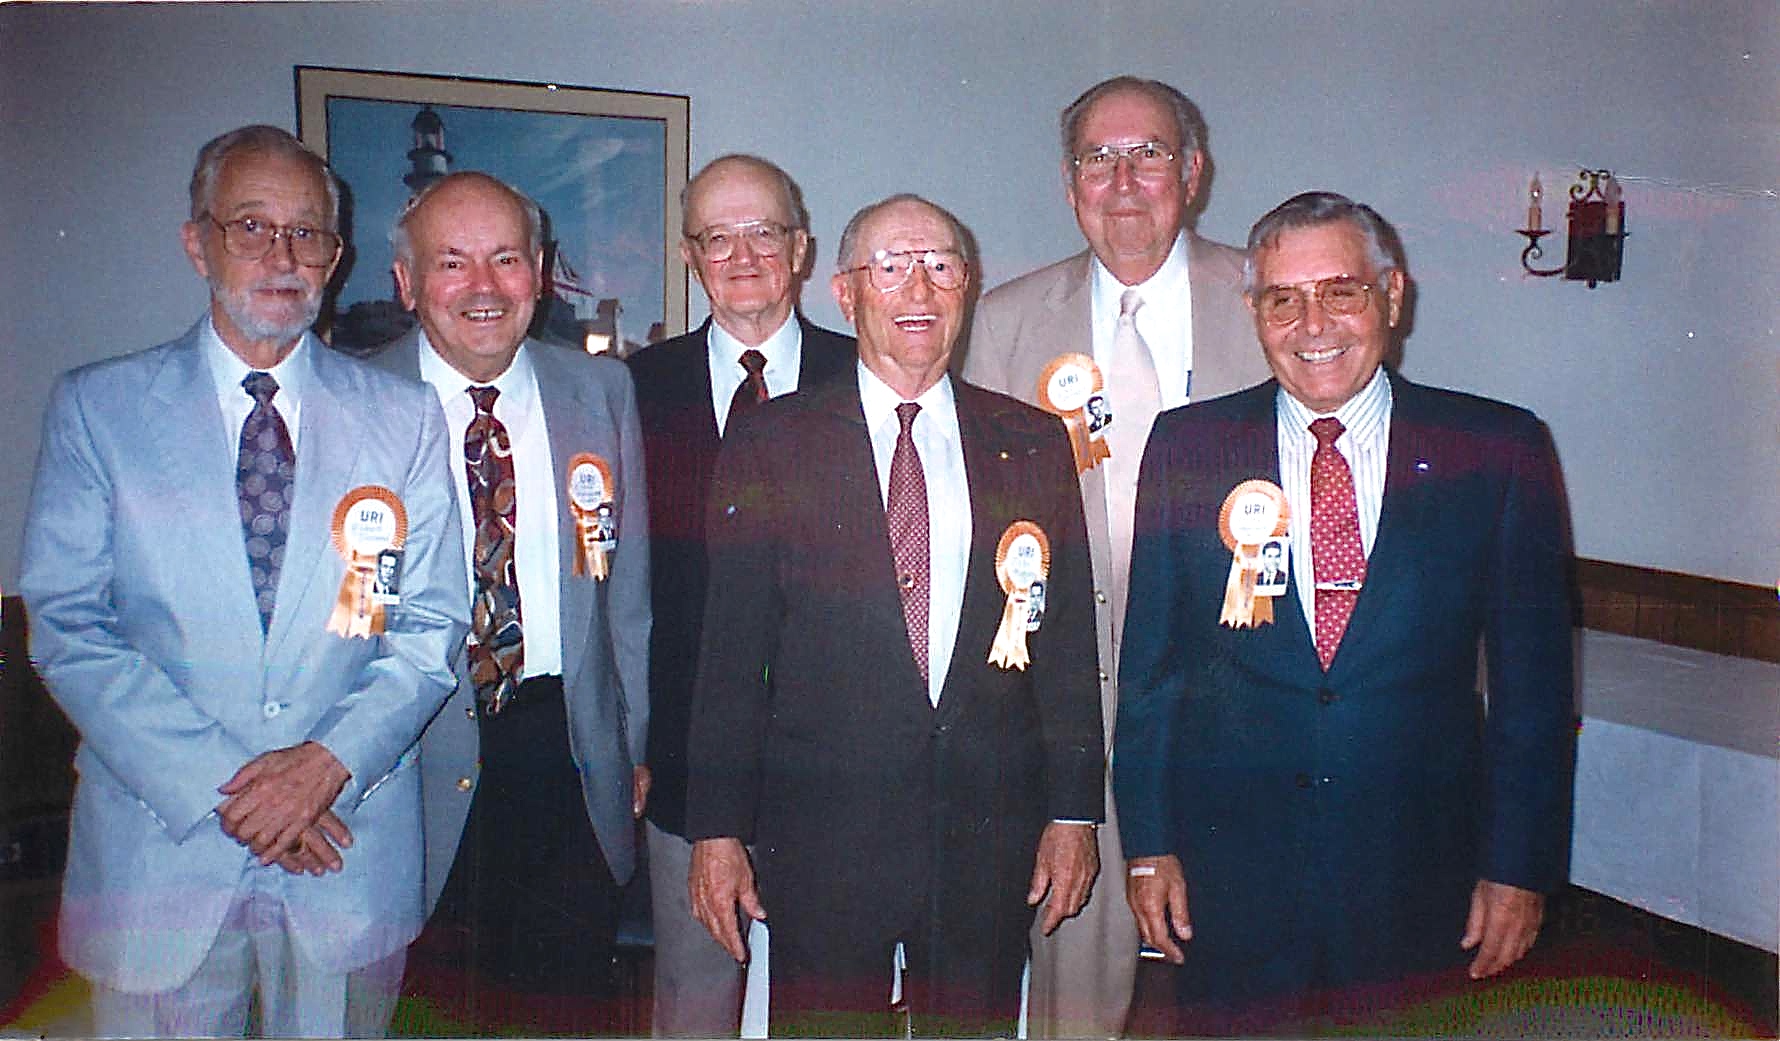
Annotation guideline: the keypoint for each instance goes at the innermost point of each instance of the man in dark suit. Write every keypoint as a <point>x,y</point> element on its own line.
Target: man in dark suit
<point>1340,804</point>
<point>1132,164</point>
<point>533,771</point>
<point>198,561</point>
<point>745,234</point>
<point>915,768</point>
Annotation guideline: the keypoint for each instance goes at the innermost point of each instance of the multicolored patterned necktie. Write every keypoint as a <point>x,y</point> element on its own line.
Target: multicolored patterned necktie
<point>1335,547</point>
<point>905,509</point>
<point>265,469</point>
<point>497,643</point>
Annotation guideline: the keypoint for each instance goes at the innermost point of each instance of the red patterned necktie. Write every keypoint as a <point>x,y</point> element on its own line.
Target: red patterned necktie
<point>1335,548</point>
<point>753,387</point>
<point>265,468</point>
<point>496,644</point>
<point>906,511</point>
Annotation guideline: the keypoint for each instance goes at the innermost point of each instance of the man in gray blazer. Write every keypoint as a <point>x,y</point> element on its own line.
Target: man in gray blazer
<point>199,553</point>
<point>533,771</point>
<point>1154,315</point>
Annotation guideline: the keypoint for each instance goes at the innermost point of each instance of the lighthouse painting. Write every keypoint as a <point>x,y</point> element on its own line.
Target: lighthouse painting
<point>608,184</point>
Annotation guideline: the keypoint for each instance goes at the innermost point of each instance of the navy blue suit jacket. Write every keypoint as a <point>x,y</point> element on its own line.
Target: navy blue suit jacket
<point>1331,825</point>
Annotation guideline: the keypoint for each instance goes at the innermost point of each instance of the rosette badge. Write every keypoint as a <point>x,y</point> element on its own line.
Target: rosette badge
<point>591,501</point>
<point>1253,513</point>
<point>1022,566</point>
<point>370,523</point>
<point>1070,387</point>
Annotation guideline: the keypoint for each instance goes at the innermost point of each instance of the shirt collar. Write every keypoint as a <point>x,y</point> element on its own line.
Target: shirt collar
<point>1169,279</point>
<point>518,387</point>
<point>937,402</point>
<point>228,370</point>
<point>1361,416</point>
<point>779,348</point>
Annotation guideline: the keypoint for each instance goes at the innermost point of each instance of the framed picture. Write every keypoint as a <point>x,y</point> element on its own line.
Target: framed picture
<point>606,167</point>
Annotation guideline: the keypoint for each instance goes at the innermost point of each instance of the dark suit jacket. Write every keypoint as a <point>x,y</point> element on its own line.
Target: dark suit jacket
<point>673,380</point>
<point>1332,825</point>
<point>812,733</point>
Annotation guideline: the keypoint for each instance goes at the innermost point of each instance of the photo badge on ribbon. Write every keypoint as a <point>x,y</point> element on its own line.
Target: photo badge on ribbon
<point>1022,566</point>
<point>369,530</point>
<point>1071,387</point>
<point>1254,515</point>
<point>591,498</point>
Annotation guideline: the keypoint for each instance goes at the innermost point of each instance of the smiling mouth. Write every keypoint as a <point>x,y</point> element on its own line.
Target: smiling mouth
<point>485,314</point>
<point>915,322</point>
<point>1320,355</point>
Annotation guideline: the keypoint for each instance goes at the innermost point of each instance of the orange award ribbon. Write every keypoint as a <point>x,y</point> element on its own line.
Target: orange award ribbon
<point>1070,387</point>
<point>1022,564</point>
<point>596,525</point>
<point>369,530</point>
<point>1254,512</point>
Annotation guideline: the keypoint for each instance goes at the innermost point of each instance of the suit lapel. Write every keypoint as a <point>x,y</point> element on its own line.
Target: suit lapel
<point>197,465</point>
<point>327,452</point>
<point>567,415</point>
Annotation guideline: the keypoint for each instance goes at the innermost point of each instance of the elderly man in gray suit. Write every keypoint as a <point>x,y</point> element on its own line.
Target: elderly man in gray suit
<point>1149,317</point>
<point>541,747</point>
<point>199,557</point>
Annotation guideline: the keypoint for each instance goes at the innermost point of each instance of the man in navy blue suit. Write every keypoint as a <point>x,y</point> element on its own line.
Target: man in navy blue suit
<point>1312,789</point>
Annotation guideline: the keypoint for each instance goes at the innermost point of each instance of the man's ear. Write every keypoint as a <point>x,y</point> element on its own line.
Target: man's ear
<point>191,236</point>
<point>842,285</point>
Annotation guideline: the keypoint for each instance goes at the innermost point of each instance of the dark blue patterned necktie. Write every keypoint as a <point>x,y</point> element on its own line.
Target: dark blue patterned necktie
<point>265,469</point>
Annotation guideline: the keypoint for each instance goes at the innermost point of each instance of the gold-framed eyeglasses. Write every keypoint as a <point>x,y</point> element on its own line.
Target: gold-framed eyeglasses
<point>891,269</point>
<point>1151,160</point>
<point>251,239</point>
<point>1339,295</point>
<point>766,238</point>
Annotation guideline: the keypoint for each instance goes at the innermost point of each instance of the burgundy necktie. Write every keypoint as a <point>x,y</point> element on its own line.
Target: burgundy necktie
<point>265,468</point>
<point>906,510</point>
<point>753,387</point>
<point>1335,548</point>
<point>496,645</point>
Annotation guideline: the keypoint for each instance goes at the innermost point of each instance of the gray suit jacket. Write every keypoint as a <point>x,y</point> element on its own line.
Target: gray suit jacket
<point>145,630</point>
<point>1021,325</point>
<point>589,406</point>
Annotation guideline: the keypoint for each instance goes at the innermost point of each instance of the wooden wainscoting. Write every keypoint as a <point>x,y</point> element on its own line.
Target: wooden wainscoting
<point>1707,614</point>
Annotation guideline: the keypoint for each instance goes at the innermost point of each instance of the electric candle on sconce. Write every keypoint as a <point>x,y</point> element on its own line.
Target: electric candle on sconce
<point>1595,222</point>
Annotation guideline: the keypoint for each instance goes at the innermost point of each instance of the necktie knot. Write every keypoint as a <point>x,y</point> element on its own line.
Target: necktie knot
<point>484,399</point>
<point>905,414</point>
<point>754,362</point>
<point>1129,302</point>
<point>261,386</point>
<point>1326,430</point>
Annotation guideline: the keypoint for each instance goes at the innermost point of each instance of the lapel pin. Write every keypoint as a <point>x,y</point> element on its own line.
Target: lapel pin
<point>1422,466</point>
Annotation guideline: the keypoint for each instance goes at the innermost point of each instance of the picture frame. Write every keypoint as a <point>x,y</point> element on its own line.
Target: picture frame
<point>605,166</point>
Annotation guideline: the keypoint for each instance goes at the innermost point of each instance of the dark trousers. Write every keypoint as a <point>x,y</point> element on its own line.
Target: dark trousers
<point>530,906</point>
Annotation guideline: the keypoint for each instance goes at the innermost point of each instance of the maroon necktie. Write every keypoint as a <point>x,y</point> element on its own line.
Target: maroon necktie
<point>496,645</point>
<point>906,512</point>
<point>1335,548</point>
<point>753,387</point>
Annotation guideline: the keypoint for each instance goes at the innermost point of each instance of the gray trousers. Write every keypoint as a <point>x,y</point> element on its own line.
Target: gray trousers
<point>698,986</point>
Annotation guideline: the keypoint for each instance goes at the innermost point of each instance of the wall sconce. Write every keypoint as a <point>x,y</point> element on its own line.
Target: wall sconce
<point>1596,222</point>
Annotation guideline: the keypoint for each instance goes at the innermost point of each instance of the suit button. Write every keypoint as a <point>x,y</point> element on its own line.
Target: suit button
<point>1099,596</point>
<point>470,713</point>
<point>1327,697</point>
<point>271,709</point>
<point>1104,677</point>
<point>1302,780</point>
<point>464,784</point>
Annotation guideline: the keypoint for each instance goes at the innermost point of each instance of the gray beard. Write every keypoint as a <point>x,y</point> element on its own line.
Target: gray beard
<point>238,306</point>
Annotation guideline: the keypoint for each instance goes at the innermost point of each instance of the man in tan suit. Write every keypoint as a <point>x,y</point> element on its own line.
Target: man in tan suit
<point>1155,314</point>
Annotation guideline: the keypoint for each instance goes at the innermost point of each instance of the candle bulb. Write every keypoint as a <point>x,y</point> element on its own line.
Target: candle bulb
<point>1535,213</point>
<point>1612,195</point>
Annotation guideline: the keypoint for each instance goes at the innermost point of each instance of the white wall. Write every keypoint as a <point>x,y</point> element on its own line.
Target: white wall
<point>1661,390</point>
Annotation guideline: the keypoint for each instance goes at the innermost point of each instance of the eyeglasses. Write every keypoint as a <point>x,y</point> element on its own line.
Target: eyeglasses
<point>1339,295</point>
<point>891,269</point>
<point>720,241</point>
<point>1151,160</point>
<point>251,239</point>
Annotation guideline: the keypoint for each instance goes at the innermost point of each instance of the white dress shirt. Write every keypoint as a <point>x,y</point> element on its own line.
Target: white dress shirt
<point>228,370</point>
<point>935,434</point>
<point>784,356</point>
<point>1165,321</point>
<point>535,547</point>
<point>1364,442</point>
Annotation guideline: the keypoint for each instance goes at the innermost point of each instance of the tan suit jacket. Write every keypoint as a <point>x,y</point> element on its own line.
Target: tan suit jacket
<point>1082,974</point>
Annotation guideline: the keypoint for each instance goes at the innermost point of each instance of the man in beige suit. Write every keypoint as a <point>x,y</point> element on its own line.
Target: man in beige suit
<point>1155,315</point>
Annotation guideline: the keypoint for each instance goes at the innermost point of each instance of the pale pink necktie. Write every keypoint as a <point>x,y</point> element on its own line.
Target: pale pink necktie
<point>1136,396</point>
